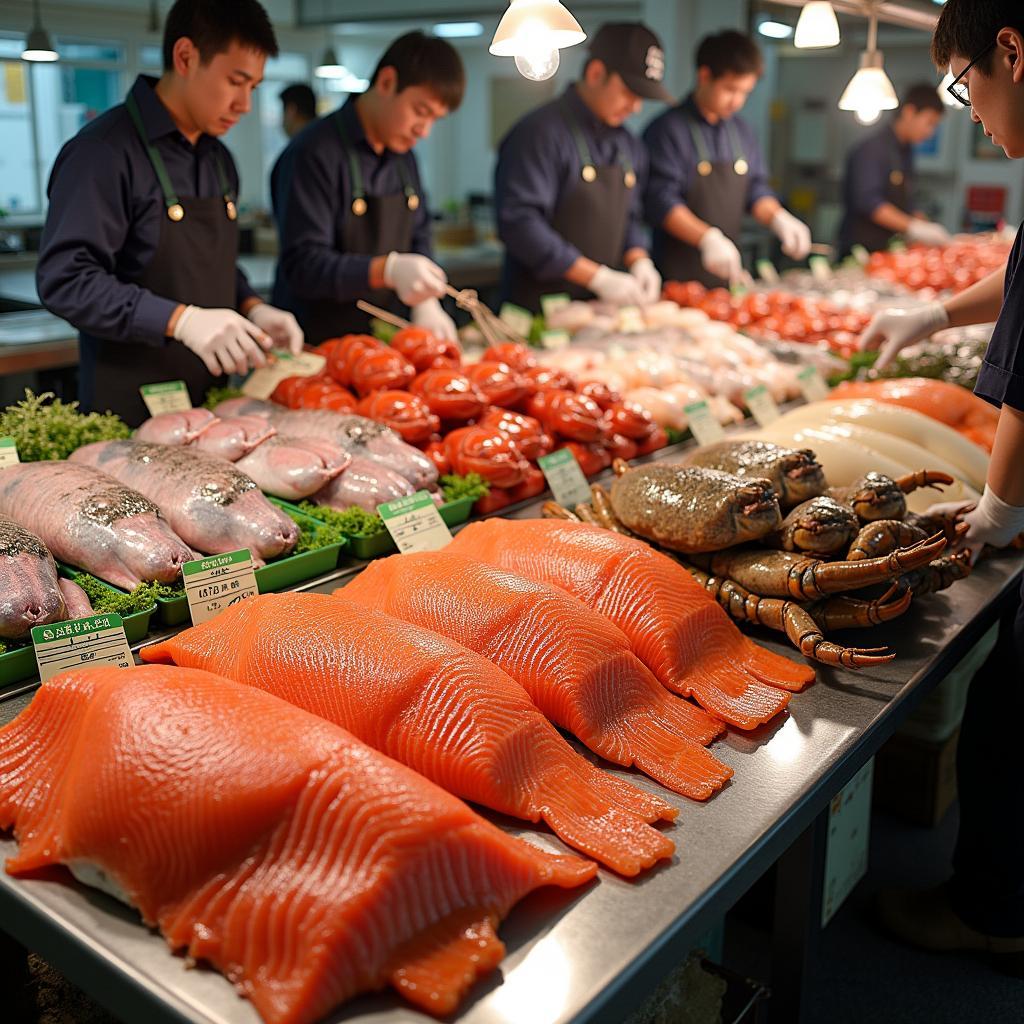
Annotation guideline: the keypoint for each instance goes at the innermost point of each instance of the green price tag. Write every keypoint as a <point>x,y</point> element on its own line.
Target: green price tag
<point>81,643</point>
<point>703,425</point>
<point>554,339</point>
<point>415,523</point>
<point>762,405</point>
<point>217,582</point>
<point>551,304</point>
<point>861,255</point>
<point>518,319</point>
<point>168,396</point>
<point>897,245</point>
<point>767,272</point>
<point>565,478</point>
<point>846,850</point>
<point>261,383</point>
<point>821,269</point>
<point>8,452</point>
<point>811,384</point>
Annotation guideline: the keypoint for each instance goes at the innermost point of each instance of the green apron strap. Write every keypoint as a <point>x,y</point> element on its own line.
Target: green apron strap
<point>704,164</point>
<point>354,171</point>
<point>174,208</point>
<point>589,172</point>
<point>739,158</point>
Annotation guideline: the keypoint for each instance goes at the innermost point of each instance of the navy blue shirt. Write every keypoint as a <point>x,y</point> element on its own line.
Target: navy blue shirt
<point>866,179</point>
<point>106,211</point>
<point>312,197</point>
<point>1001,378</point>
<point>538,163</point>
<point>674,157</point>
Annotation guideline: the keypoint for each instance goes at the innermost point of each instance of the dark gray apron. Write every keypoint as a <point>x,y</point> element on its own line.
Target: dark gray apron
<point>865,231</point>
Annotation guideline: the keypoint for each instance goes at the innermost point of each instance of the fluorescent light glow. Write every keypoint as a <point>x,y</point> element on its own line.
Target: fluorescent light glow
<point>40,56</point>
<point>775,29</point>
<point>459,29</point>
<point>330,66</point>
<point>867,115</point>
<point>817,27</point>
<point>944,94</point>
<point>533,31</point>
<point>347,83</point>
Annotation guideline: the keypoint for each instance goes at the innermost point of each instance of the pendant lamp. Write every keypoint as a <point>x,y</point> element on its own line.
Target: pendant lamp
<point>870,91</point>
<point>533,31</point>
<point>817,27</point>
<point>38,45</point>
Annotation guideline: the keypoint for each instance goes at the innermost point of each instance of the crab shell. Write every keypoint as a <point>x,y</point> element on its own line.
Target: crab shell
<point>874,496</point>
<point>820,526</point>
<point>691,509</point>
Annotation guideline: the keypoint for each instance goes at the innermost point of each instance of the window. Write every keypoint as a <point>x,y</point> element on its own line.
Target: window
<point>19,186</point>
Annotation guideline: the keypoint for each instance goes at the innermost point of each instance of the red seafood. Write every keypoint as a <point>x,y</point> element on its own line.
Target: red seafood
<point>450,394</point>
<point>592,458</point>
<point>601,393</point>
<point>424,350</point>
<point>381,370</point>
<point>567,414</point>
<point>631,420</point>
<point>527,432</point>
<point>499,383</point>
<point>546,378</point>
<point>405,413</point>
<point>513,354</point>
<point>488,452</point>
<point>344,355</point>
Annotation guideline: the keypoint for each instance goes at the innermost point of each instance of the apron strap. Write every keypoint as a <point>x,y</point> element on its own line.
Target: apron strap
<point>589,172</point>
<point>704,164</point>
<point>359,207</point>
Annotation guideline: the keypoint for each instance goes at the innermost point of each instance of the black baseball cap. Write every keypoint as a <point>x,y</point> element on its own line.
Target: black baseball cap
<point>634,51</point>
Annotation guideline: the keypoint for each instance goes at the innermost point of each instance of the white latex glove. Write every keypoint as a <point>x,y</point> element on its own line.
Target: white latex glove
<point>413,277</point>
<point>223,339</point>
<point>282,327</point>
<point>431,316</point>
<point>926,232</point>
<point>896,329</point>
<point>793,233</point>
<point>992,522</point>
<point>648,278</point>
<point>616,288</point>
<point>720,257</point>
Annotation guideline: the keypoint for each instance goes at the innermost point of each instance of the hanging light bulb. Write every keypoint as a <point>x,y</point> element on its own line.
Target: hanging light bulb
<point>866,116</point>
<point>870,90</point>
<point>38,45</point>
<point>533,31</point>
<point>330,66</point>
<point>817,27</point>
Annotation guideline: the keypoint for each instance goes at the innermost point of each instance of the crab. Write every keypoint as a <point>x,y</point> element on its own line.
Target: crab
<point>876,496</point>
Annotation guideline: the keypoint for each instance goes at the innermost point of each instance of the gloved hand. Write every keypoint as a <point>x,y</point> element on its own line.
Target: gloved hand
<point>223,339</point>
<point>992,522</point>
<point>793,233</point>
<point>431,316</point>
<point>616,288</point>
<point>719,256</point>
<point>414,277</point>
<point>926,232</point>
<point>282,327</point>
<point>648,278</point>
<point>896,329</point>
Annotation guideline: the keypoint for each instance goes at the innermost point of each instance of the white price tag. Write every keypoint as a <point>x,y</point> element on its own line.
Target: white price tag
<point>767,272</point>
<point>415,523</point>
<point>565,478</point>
<point>551,304</point>
<point>81,643</point>
<point>762,405</point>
<point>519,319</point>
<point>554,339</point>
<point>846,851</point>
<point>811,384</point>
<point>217,582</point>
<point>8,452</point>
<point>261,383</point>
<point>821,269</point>
<point>703,425</point>
<point>168,396</point>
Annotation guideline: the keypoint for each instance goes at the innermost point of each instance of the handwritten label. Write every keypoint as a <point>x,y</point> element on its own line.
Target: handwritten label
<point>553,339</point>
<point>518,319</point>
<point>565,478</point>
<point>169,396</point>
<point>415,523</point>
<point>8,452</point>
<point>811,384</point>
<point>846,851</point>
<point>215,583</point>
<point>821,269</point>
<point>552,304</point>
<point>767,272</point>
<point>703,425</point>
<point>81,643</point>
<point>261,383</point>
<point>762,405</point>
<point>861,255</point>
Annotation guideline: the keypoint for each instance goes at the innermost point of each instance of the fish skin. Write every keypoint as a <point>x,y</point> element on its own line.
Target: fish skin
<point>294,467</point>
<point>235,437</point>
<point>175,428</point>
<point>364,483</point>
<point>76,599</point>
<point>30,592</point>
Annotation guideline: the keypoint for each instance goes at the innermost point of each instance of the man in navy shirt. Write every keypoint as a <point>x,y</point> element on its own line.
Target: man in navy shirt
<point>351,212</point>
<point>141,239</point>
<point>981,907</point>
<point>298,108</point>
<point>569,178</point>
<point>878,185</point>
<point>707,170</point>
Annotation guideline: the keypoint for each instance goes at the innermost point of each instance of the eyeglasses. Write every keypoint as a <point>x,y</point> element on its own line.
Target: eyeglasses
<point>958,87</point>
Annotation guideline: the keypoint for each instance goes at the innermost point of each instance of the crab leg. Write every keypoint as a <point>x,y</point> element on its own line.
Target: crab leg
<point>850,613</point>
<point>923,478</point>
<point>620,467</point>
<point>940,574</point>
<point>585,514</point>
<point>602,506</point>
<point>552,510</point>
<point>881,537</point>
<point>951,527</point>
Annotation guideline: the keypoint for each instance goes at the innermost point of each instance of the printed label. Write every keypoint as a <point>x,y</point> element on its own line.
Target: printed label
<point>518,319</point>
<point>261,383</point>
<point>217,582</point>
<point>554,339</point>
<point>761,405</point>
<point>811,384</point>
<point>169,396</point>
<point>8,452</point>
<point>81,643</point>
<point>703,425</point>
<point>551,304</point>
<point>415,523</point>
<point>565,478</point>
<point>767,272</point>
<point>846,851</point>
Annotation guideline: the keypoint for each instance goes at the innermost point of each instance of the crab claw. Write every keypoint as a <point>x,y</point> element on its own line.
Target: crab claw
<point>924,478</point>
<point>552,510</point>
<point>620,467</point>
<point>806,635</point>
<point>851,613</point>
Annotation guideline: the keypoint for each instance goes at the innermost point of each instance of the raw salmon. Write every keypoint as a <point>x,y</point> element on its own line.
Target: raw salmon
<point>434,706</point>
<point>676,628</point>
<point>274,845</point>
<point>575,664</point>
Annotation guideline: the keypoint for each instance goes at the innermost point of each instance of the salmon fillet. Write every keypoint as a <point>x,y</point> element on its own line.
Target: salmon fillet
<point>272,844</point>
<point>438,708</point>
<point>675,627</point>
<point>575,664</point>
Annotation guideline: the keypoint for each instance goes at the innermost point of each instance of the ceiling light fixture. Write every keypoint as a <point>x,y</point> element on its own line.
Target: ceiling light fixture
<point>38,45</point>
<point>533,31</point>
<point>817,27</point>
<point>870,91</point>
<point>775,29</point>
<point>458,29</point>
<point>330,66</point>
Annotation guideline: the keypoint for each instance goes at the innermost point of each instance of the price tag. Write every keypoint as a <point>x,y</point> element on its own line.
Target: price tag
<point>703,424</point>
<point>762,405</point>
<point>565,478</point>
<point>8,452</point>
<point>170,396</point>
<point>554,339</point>
<point>821,269</point>
<point>519,319</point>
<point>861,255</point>
<point>767,272</point>
<point>414,523</point>
<point>81,643</point>
<point>811,384</point>
<point>846,851</point>
<point>261,383</point>
<point>551,304</point>
<point>217,582</point>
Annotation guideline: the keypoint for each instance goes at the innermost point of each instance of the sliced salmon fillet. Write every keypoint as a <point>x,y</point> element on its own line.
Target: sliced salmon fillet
<point>574,663</point>
<point>675,627</point>
<point>304,865</point>
<point>438,708</point>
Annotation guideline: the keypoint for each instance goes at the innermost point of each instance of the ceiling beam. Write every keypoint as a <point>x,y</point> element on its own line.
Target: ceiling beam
<point>890,11</point>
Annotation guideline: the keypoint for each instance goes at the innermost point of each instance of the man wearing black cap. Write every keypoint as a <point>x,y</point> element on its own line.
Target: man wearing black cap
<point>707,170</point>
<point>569,180</point>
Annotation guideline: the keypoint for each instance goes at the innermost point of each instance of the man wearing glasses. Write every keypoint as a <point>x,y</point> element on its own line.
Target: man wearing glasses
<point>982,906</point>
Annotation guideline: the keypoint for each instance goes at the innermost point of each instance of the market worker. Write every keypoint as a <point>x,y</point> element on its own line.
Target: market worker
<point>298,108</point>
<point>878,185</point>
<point>140,246</point>
<point>707,171</point>
<point>982,906</point>
<point>351,213</point>
<point>569,180</point>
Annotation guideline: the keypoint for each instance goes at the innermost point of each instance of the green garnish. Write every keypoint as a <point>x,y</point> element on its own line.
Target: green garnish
<point>472,485</point>
<point>676,436</point>
<point>46,428</point>
<point>352,522</point>
<point>143,597</point>
<point>217,395</point>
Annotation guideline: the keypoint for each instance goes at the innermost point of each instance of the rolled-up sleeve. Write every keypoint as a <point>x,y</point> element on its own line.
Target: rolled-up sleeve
<point>90,215</point>
<point>867,174</point>
<point>526,186</point>
<point>670,166</point>
<point>636,233</point>
<point>760,185</point>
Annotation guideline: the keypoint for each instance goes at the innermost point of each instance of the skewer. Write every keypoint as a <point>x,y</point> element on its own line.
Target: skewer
<point>492,327</point>
<point>383,314</point>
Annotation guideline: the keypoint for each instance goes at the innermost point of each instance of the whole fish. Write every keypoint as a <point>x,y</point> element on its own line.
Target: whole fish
<point>213,506</point>
<point>90,520</point>
<point>176,428</point>
<point>76,600</point>
<point>30,593</point>
<point>294,467</point>
<point>364,483</point>
<point>235,437</point>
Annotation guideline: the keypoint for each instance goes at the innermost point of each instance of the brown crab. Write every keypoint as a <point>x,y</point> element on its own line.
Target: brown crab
<point>876,496</point>
<point>818,526</point>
